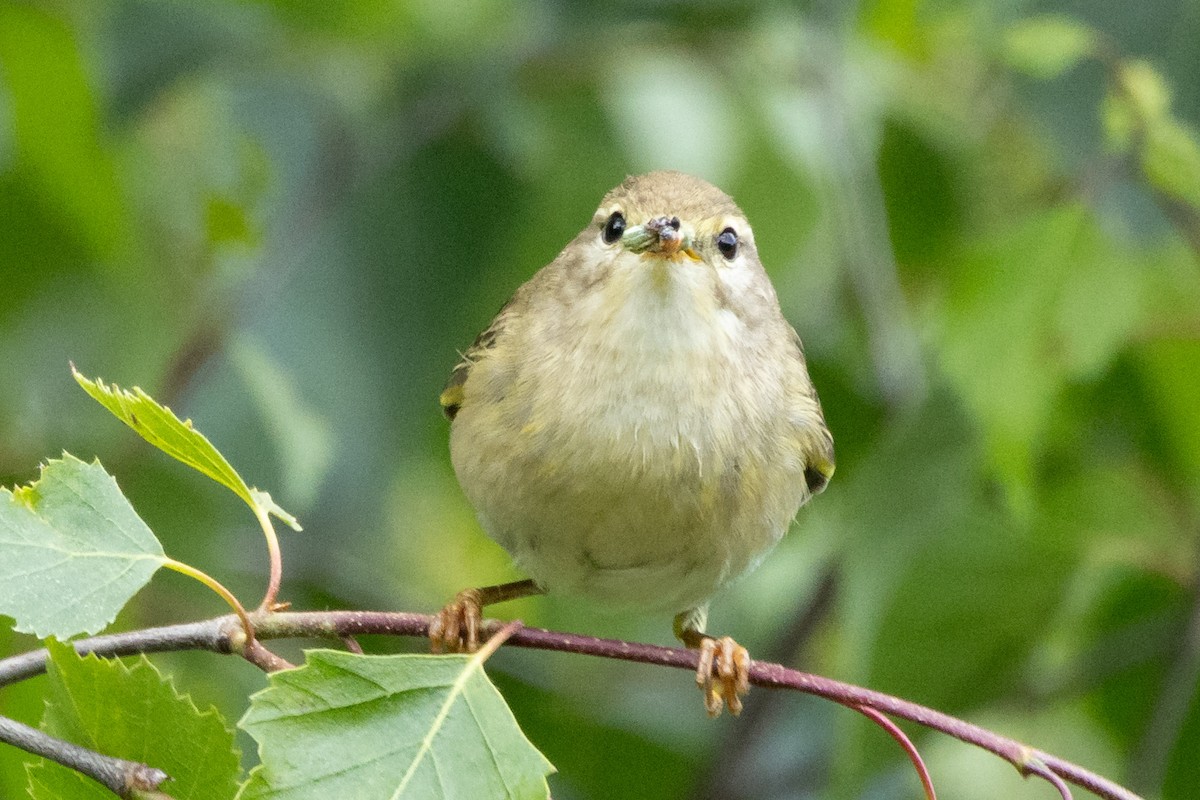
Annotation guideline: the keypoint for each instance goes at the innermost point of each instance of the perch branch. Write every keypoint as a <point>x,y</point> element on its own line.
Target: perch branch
<point>219,635</point>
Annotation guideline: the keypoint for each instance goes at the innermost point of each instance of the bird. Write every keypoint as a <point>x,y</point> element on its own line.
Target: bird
<point>637,426</point>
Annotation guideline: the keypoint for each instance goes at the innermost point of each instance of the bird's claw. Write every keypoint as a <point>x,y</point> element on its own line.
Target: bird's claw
<point>729,681</point>
<point>456,627</point>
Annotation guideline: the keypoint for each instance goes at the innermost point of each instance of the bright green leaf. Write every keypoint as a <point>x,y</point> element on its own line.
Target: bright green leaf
<point>74,550</point>
<point>1047,46</point>
<point>47,781</point>
<point>1137,111</point>
<point>403,726</point>
<point>160,427</point>
<point>1145,89</point>
<point>1138,101</point>
<point>131,711</point>
<point>1171,160</point>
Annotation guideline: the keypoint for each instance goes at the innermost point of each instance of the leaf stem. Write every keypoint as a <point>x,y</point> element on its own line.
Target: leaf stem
<point>215,585</point>
<point>274,555</point>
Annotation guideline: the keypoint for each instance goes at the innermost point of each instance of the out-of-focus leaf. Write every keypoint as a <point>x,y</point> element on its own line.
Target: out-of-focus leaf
<point>1137,112</point>
<point>1183,768</point>
<point>956,614</point>
<point>1031,309</point>
<point>57,129</point>
<point>228,223</point>
<point>178,439</point>
<point>1048,45</point>
<point>1140,97</point>
<point>1171,160</point>
<point>131,711</point>
<point>919,192</point>
<point>1098,307</point>
<point>1131,630</point>
<point>405,726</point>
<point>946,626</point>
<point>1171,371</point>
<point>72,550</point>
<point>304,440</point>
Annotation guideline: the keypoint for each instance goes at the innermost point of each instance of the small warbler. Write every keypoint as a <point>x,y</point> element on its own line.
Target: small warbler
<point>637,425</point>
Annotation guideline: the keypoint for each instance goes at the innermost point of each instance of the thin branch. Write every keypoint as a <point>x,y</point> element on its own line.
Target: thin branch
<point>219,635</point>
<point>1036,767</point>
<point>122,778</point>
<point>264,659</point>
<point>914,755</point>
<point>215,635</point>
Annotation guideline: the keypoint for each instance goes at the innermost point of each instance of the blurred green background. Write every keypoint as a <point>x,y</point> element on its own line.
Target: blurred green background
<point>284,218</point>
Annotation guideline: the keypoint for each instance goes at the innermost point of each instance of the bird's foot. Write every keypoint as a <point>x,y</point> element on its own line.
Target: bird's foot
<point>455,628</point>
<point>723,673</point>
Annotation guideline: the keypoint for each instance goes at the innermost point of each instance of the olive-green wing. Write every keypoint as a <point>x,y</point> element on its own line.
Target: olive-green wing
<point>819,439</point>
<point>452,394</point>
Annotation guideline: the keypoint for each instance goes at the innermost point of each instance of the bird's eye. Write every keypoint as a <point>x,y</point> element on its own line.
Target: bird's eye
<point>727,243</point>
<point>614,227</point>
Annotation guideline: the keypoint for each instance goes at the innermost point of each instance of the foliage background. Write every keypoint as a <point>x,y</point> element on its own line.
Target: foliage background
<point>282,218</point>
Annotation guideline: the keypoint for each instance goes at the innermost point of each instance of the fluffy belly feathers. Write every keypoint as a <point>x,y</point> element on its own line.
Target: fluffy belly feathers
<point>639,478</point>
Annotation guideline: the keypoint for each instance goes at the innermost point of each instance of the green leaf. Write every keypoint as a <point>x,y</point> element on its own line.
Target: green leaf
<point>403,726</point>
<point>1145,89</point>
<point>48,781</point>
<point>1047,302</point>
<point>160,427</point>
<point>1171,161</point>
<point>131,711</point>
<point>1137,111</point>
<point>74,550</point>
<point>1047,46</point>
<point>956,615</point>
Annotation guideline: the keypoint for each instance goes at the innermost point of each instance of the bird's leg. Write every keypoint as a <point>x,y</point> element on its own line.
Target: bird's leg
<point>456,627</point>
<point>723,674</point>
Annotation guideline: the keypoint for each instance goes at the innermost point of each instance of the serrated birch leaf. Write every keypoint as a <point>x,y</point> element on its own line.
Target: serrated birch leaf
<point>72,550</point>
<point>402,727</point>
<point>49,781</point>
<point>129,710</point>
<point>159,426</point>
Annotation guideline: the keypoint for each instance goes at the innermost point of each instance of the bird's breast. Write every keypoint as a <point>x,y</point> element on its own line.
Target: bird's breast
<point>628,451</point>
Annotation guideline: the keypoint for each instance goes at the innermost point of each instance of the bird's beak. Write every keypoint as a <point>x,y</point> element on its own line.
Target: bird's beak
<point>660,236</point>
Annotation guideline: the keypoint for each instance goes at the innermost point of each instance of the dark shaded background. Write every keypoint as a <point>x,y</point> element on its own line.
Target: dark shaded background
<point>284,218</point>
